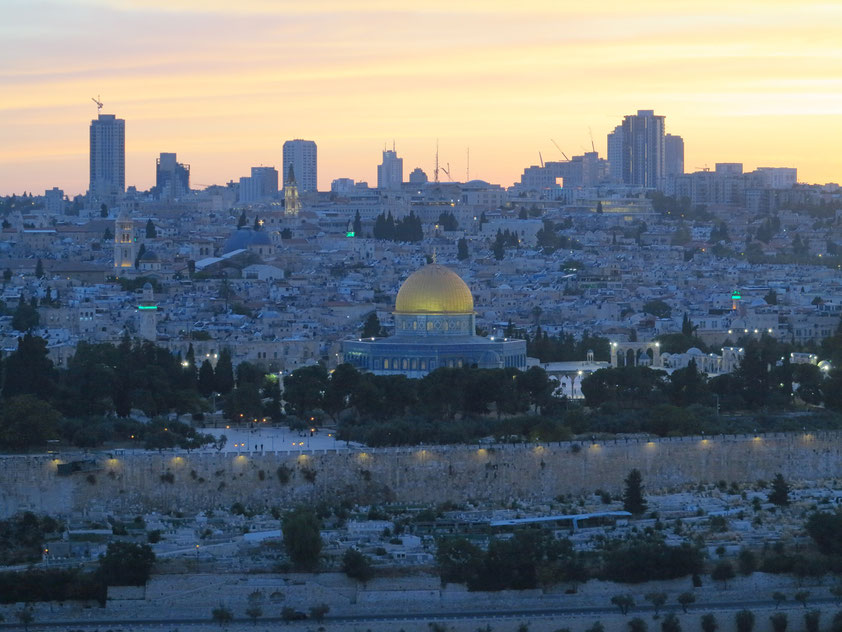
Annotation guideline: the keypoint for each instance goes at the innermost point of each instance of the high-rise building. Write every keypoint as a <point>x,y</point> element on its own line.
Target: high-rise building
<point>301,154</point>
<point>615,155</point>
<point>172,178</point>
<point>108,157</point>
<point>673,155</point>
<point>261,185</point>
<point>643,149</point>
<point>390,172</point>
<point>417,176</point>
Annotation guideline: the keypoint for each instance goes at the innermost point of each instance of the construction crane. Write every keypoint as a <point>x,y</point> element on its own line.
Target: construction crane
<point>98,104</point>
<point>590,133</point>
<point>541,158</point>
<point>559,149</point>
<point>447,172</point>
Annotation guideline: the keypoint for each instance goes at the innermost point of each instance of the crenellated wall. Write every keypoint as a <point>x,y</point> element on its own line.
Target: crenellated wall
<point>140,482</point>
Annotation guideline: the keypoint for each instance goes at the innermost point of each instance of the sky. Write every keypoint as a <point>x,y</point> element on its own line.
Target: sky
<point>224,83</point>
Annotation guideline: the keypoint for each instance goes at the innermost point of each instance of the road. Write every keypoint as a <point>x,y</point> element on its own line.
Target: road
<point>464,615</point>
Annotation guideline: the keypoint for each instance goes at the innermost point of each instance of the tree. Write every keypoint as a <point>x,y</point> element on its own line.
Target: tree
<point>207,381</point>
<point>372,327</point>
<point>658,308</point>
<point>462,249</point>
<point>499,248</point>
<point>779,621</point>
<point>780,491</point>
<point>254,612</point>
<point>357,566</point>
<point>25,616</point>
<point>746,562</point>
<point>633,500</point>
<point>26,421</point>
<point>778,598</point>
<point>811,620</point>
<point>151,231</point>
<point>103,210</point>
<point>39,269</point>
<point>7,275</point>
<point>685,599</point>
<point>670,623</point>
<point>302,537</point>
<point>26,317</point>
<point>722,572</point>
<point>802,596</point>
<point>318,612</point>
<point>458,560</point>
<point>623,602</point>
<point>243,220</point>
<point>358,225</point>
<point>126,564</point>
<point>826,531</point>
<point>657,599</point>
<point>709,623</point>
<point>223,374</point>
<point>222,615</point>
<point>599,207</point>
<point>637,625</point>
<point>744,620</point>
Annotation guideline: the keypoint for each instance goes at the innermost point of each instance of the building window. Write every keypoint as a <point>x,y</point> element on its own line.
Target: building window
<point>385,363</point>
<point>414,364</point>
<point>429,325</point>
<point>404,364</point>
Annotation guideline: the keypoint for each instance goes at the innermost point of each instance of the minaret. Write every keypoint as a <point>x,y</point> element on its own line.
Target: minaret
<point>291,202</point>
<point>148,310</point>
<point>125,247</point>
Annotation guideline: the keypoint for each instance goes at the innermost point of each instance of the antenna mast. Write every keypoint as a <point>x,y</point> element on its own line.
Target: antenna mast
<point>468,168</point>
<point>436,172</point>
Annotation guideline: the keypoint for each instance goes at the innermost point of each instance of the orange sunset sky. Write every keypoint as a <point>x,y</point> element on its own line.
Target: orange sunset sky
<point>224,82</point>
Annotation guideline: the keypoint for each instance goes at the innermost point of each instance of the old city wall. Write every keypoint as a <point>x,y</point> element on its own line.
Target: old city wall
<point>193,482</point>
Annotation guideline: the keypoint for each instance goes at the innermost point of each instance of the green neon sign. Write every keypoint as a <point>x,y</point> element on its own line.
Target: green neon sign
<point>147,307</point>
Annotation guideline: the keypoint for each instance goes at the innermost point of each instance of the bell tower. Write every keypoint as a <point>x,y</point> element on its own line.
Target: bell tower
<point>291,202</point>
<point>125,246</point>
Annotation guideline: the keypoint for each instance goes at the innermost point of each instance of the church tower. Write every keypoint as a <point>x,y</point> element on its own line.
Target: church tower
<point>148,310</point>
<point>125,247</point>
<point>291,202</point>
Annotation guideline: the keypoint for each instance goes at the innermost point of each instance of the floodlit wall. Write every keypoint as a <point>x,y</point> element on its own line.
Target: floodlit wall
<point>193,482</point>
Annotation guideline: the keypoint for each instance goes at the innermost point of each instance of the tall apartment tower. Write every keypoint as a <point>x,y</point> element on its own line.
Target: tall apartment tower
<point>673,155</point>
<point>643,150</point>
<point>108,157</point>
<point>172,178</point>
<point>390,172</point>
<point>615,155</point>
<point>301,154</point>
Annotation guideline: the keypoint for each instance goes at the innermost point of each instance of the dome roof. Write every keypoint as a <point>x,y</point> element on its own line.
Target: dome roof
<point>434,289</point>
<point>149,255</point>
<point>260,238</point>
<point>242,238</point>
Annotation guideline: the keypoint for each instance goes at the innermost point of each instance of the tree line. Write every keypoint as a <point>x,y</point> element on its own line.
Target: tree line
<point>91,399</point>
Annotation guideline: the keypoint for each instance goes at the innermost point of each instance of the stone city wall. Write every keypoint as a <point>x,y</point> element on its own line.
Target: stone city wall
<point>178,481</point>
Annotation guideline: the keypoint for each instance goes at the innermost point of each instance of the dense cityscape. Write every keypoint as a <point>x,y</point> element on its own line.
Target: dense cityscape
<point>603,397</point>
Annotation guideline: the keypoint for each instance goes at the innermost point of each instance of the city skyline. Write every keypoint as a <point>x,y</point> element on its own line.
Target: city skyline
<point>224,88</point>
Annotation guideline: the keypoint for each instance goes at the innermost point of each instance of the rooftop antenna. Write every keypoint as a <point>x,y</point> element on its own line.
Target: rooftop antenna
<point>468,168</point>
<point>98,104</point>
<point>436,172</point>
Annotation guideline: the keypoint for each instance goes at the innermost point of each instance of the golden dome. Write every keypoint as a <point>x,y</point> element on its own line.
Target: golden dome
<point>434,289</point>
